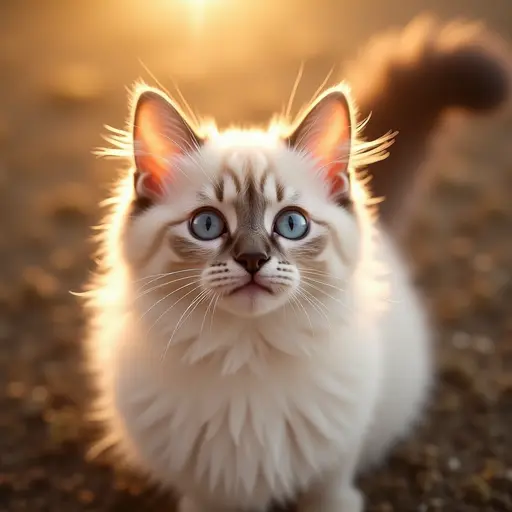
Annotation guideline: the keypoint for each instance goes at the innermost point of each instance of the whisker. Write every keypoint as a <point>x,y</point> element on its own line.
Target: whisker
<point>167,296</point>
<point>335,299</point>
<point>306,313</point>
<point>319,273</point>
<point>294,91</point>
<point>171,306</point>
<point>321,86</point>
<point>214,296</point>
<point>192,114</point>
<point>307,278</point>
<point>156,287</point>
<point>163,274</point>
<point>213,311</point>
<point>309,298</point>
<point>292,305</point>
<point>194,304</point>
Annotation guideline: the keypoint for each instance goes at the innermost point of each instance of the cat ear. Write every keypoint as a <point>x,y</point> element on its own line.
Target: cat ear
<point>325,133</point>
<point>160,134</point>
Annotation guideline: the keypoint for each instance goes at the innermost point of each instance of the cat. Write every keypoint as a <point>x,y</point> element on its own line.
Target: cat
<point>254,334</point>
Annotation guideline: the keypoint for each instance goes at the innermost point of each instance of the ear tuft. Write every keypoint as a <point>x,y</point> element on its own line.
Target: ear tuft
<point>161,133</point>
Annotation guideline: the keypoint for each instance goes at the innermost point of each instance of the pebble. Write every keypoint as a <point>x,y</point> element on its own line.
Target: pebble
<point>453,464</point>
<point>86,496</point>
<point>483,344</point>
<point>483,262</point>
<point>16,389</point>
<point>461,247</point>
<point>461,340</point>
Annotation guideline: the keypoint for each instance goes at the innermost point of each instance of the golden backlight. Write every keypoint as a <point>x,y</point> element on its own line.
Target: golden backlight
<point>198,10</point>
<point>198,3</point>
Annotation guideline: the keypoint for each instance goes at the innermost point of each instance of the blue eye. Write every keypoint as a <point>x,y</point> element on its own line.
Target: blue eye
<point>291,224</point>
<point>207,225</point>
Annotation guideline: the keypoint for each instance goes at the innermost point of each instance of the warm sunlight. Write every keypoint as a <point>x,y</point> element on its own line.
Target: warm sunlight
<point>198,10</point>
<point>198,3</point>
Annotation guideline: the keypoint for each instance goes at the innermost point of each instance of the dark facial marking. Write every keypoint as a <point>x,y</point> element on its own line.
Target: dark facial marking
<point>279,191</point>
<point>311,248</point>
<point>187,250</point>
<point>345,201</point>
<point>236,180</point>
<point>263,181</point>
<point>279,186</point>
<point>157,241</point>
<point>338,246</point>
<point>218,188</point>
<point>250,236</point>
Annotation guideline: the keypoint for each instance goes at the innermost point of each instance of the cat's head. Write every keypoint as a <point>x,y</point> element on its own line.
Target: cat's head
<point>252,220</point>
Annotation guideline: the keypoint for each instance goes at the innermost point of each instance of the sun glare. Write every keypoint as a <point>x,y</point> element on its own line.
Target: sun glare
<point>198,4</point>
<point>198,11</point>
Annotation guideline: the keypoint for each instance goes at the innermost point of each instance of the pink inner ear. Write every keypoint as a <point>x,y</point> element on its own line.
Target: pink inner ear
<point>149,186</point>
<point>160,133</point>
<point>153,149</point>
<point>331,144</point>
<point>325,133</point>
<point>340,184</point>
<point>334,135</point>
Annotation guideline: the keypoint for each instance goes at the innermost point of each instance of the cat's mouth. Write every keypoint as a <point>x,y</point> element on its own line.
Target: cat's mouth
<point>252,287</point>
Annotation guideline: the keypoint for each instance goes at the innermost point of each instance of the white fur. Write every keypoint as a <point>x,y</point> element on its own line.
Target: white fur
<point>238,411</point>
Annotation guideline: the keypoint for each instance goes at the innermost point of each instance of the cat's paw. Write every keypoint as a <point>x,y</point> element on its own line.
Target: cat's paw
<point>349,500</point>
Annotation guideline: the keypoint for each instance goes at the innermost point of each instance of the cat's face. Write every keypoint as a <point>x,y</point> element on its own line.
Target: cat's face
<point>244,221</point>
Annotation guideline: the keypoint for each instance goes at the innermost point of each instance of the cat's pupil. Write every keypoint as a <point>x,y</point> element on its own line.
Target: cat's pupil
<point>208,223</point>
<point>291,222</point>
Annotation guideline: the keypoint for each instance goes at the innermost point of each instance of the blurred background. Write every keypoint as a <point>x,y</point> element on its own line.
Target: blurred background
<point>64,69</point>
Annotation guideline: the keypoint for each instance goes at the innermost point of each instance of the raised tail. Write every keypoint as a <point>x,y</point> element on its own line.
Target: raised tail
<point>406,80</point>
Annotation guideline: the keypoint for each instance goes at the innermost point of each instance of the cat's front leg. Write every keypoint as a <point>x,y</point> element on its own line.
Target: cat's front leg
<point>333,492</point>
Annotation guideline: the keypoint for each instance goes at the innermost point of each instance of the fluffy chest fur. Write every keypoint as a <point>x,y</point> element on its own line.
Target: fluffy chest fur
<point>260,432</point>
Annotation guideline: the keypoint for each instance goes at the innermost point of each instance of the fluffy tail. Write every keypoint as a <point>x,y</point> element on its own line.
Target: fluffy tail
<point>406,80</point>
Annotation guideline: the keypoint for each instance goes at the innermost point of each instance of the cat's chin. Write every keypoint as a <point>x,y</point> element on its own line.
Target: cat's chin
<point>252,301</point>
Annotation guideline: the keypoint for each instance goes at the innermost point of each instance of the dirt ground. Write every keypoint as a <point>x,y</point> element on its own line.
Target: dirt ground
<point>63,71</point>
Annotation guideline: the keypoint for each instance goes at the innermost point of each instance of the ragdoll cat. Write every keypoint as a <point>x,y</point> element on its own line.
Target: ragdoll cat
<point>254,330</point>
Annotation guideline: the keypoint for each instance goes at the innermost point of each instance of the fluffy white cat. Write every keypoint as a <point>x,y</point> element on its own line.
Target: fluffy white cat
<point>256,335</point>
